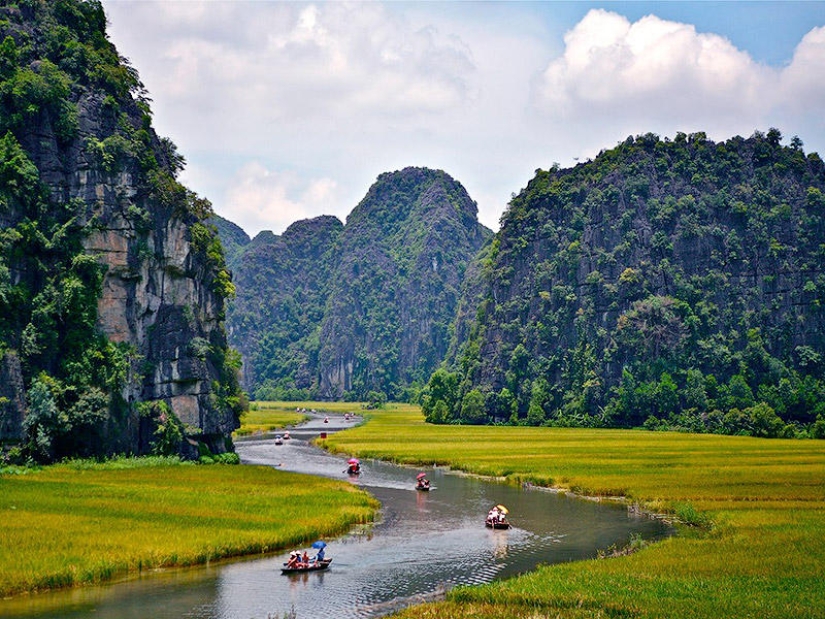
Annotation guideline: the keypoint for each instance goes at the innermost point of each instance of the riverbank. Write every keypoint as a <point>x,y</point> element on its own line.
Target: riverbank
<point>78,523</point>
<point>761,554</point>
<point>263,417</point>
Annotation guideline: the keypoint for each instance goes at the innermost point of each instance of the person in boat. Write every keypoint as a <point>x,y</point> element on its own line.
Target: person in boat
<point>305,559</point>
<point>423,483</point>
<point>294,559</point>
<point>320,556</point>
<point>493,516</point>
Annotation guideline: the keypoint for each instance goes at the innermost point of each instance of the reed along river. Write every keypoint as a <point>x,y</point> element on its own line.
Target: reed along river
<point>423,544</point>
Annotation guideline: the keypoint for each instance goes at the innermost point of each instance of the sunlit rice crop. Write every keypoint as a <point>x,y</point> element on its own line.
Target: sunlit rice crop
<point>78,523</point>
<point>265,417</point>
<point>759,549</point>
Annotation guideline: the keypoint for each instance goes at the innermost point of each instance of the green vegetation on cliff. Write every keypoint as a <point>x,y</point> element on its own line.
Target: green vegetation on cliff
<point>667,283</point>
<point>79,164</point>
<point>283,286</point>
<point>360,311</point>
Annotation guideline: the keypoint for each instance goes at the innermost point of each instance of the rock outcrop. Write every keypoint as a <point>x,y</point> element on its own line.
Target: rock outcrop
<point>107,184</point>
<point>328,310</point>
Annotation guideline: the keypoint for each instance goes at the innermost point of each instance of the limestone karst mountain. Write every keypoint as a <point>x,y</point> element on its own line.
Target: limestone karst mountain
<point>112,285</point>
<point>331,311</point>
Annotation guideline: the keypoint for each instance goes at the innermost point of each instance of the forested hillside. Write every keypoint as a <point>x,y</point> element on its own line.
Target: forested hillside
<point>283,283</point>
<point>112,286</point>
<point>667,283</point>
<point>362,310</point>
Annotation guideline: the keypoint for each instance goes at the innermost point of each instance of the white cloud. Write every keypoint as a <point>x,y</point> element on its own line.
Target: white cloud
<point>650,69</point>
<point>310,63</point>
<point>326,96</point>
<point>263,199</point>
<point>802,83</point>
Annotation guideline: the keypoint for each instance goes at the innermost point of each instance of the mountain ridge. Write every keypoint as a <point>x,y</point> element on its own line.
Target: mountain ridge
<point>389,258</point>
<point>671,282</point>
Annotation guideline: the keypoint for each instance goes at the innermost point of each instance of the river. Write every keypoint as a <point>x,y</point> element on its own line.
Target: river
<point>423,544</point>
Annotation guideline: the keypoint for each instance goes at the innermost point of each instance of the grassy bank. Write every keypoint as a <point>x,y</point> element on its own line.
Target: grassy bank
<point>71,524</point>
<point>763,557</point>
<point>265,417</point>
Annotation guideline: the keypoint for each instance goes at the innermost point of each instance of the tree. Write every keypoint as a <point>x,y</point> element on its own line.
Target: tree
<point>472,408</point>
<point>443,387</point>
<point>44,422</point>
<point>764,421</point>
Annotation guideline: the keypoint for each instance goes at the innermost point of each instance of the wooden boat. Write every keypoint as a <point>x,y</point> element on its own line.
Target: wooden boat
<point>311,567</point>
<point>496,524</point>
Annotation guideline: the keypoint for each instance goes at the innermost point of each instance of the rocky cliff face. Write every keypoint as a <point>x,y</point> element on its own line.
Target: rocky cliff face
<point>663,276</point>
<point>402,258</point>
<point>156,279</point>
<point>329,310</point>
<point>283,285</point>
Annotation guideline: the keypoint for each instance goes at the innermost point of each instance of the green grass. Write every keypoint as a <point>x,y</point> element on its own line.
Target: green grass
<point>759,554</point>
<point>263,417</point>
<point>79,523</point>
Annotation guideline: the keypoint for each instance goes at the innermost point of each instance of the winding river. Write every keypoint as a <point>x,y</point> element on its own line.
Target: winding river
<point>422,545</point>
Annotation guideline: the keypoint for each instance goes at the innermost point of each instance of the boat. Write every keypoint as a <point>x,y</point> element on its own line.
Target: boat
<point>309,567</point>
<point>353,467</point>
<point>496,524</point>
<point>497,518</point>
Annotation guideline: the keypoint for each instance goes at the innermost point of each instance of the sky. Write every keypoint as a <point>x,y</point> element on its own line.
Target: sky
<point>288,110</point>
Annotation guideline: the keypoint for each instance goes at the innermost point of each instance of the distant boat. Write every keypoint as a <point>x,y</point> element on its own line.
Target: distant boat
<point>497,518</point>
<point>496,524</point>
<point>353,467</point>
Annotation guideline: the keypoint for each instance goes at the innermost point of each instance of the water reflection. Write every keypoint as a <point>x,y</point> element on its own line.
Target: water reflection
<point>424,544</point>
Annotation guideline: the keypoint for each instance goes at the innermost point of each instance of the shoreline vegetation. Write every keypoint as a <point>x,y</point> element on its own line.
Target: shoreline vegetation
<point>83,522</point>
<point>752,543</point>
<point>263,417</point>
<point>756,549</point>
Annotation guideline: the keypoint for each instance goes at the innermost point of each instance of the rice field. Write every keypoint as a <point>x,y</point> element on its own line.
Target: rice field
<point>77,523</point>
<point>263,417</point>
<point>760,552</point>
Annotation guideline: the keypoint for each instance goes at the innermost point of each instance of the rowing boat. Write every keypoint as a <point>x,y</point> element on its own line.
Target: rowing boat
<point>310,567</point>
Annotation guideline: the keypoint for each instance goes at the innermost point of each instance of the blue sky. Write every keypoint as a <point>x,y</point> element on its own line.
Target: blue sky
<point>290,110</point>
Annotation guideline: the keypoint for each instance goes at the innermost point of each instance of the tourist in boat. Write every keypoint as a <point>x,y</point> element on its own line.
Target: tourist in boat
<point>294,559</point>
<point>320,547</point>
<point>305,559</point>
<point>422,483</point>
